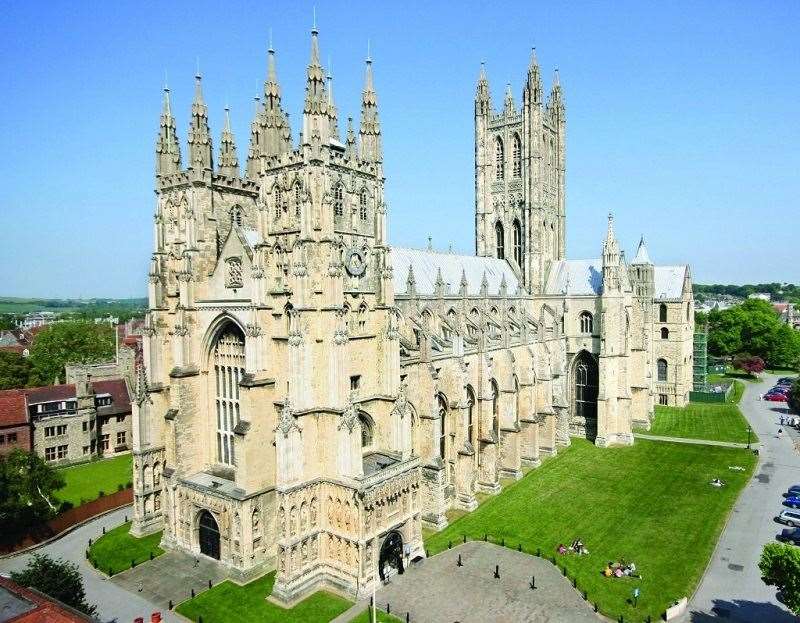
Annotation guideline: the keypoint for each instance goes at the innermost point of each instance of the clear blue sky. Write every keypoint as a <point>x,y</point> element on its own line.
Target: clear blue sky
<point>682,119</point>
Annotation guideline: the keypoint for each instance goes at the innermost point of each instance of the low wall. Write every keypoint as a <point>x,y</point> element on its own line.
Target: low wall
<point>65,521</point>
<point>712,397</point>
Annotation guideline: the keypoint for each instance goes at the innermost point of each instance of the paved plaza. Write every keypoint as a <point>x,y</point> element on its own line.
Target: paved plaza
<point>438,590</point>
<point>171,576</point>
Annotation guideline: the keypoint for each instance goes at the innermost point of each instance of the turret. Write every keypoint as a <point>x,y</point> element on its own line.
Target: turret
<point>333,119</point>
<point>168,151</point>
<point>199,134</point>
<point>228,163</point>
<point>370,132</point>
<point>509,109</point>
<point>555,101</point>
<point>483,102</point>
<point>611,259</point>
<point>641,272</point>
<point>532,92</point>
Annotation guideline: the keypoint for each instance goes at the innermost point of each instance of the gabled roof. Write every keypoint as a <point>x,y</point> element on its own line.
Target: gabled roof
<point>427,264</point>
<point>12,407</point>
<point>575,277</point>
<point>668,281</point>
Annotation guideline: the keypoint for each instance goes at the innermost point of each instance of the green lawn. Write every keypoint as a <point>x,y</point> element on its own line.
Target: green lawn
<point>716,422</point>
<point>230,602</point>
<point>366,617</point>
<point>114,551</point>
<point>85,481</point>
<point>650,503</point>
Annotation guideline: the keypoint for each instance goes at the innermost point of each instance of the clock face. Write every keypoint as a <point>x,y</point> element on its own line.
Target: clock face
<point>355,264</point>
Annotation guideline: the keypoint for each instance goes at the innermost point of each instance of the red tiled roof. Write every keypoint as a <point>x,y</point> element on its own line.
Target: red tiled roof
<point>120,400</point>
<point>49,393</point>
<point>41,608</point>
<point>117,388</point>
<point>12,407</point>
<point>18,348</point>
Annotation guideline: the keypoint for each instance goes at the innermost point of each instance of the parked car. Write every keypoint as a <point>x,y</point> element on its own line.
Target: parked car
<point>786,380</point>
<point>790,517</point>
<point>790,535</point>
<point>775,397</point>
<point>792,500</point>
<point>793,490</point>
<point>779,390</point>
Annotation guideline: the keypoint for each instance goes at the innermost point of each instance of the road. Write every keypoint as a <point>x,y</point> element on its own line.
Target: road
<point>732,588</point>
<point>113,602</point>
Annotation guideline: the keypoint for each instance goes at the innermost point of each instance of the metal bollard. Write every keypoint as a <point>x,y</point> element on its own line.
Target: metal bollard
<point>465,538</point>
<point>171,605</point>
<point>449,545</point>
<point>533,582</point>
<point>497,572</point>
<point>209,584</point>
<point>388,608</point>
<point>459,563</point>
<point>192,593</point>
<point>408,617</point>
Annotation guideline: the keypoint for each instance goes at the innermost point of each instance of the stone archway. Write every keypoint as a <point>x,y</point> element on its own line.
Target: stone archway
<point>585,379</point>
<point>391,556</point>
<point>208,535</point>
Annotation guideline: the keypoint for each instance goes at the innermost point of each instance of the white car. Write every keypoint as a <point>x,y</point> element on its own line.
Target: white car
<point>790,516</point>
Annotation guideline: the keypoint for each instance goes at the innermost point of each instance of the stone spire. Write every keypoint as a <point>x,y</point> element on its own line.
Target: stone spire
<point>254,152</point>
<point>199,134</point>
<point>332,112</point>
<point>370,131</point>
<point>555,102</point>
<point>611,258</point>
<point>508,103</point>
<point>228,163</point>
<point>168,150</point>
<point>482,96</point>
<point>642,257</point>
<point>315,109</point>
<point>533,85</point>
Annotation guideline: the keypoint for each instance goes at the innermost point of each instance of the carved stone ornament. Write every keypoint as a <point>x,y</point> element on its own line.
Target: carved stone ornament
<point>287,421</point>
<point>401,402</point>
<point>350,415</point>
<point>233,272</point>
<point>355,262</point>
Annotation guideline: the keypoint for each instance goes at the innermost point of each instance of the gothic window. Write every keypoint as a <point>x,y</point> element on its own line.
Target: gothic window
<point>662,313</point>
<point>236,215</point>
<point>518,253</point>
<point>277,199</point>
<point>586,322</point>
<point>585,392</point>
<point>362,205</point>
<point>366,431</point>
<point>229,360</point>
<point>362,318</point>
<point>664,333</point>
<point>495,409</point>
<point>338,201</point>
<point>517,156</point>
<point>470,412</point>
<point>661,365</point>
<point>499,159</point>
<point>298,198</point>
<point>552,162</point>
<point>500,238</point>
<point>442,404</point>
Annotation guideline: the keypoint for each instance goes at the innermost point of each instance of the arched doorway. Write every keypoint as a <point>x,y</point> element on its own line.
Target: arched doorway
<point>586,381</point>
<point>391,556</point>
<point>209,535</point>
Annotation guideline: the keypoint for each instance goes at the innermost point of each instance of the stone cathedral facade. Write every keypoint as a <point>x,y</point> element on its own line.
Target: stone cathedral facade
<point>311,396</point>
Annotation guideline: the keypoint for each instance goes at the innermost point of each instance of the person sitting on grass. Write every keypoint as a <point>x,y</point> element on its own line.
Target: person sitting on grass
<point>607,571</point>
<point>561,549</point>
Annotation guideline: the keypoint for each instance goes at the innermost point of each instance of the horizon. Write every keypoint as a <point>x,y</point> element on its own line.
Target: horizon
<point>665,126</point>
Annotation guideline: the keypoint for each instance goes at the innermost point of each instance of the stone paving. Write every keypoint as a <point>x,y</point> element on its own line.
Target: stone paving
<point>437,590</point>
<point>171,576</point>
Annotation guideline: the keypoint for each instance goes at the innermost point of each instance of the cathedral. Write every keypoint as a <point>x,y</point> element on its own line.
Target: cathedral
<point>311,396</point>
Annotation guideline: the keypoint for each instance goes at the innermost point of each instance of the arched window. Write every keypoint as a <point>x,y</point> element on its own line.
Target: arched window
<point>362,318</point>
<point>470,413</point>
<point>586,322</point>
<point>338,201</point>
<point>661,364</point>
<point>662,313</point>
<point>362,205</point>
<point>664,333</point>
<point>442,427</point>
<point>236,215</point>
<point>517,156</point>
<point>298,198</point>
<point>688,311</point>
<point>277,200</point>
<point>366,431</point>
<point>518,253</point>
<point>500,238</point>
<point>499,159</point>
<point>228,359</point>
<point>495,409</point>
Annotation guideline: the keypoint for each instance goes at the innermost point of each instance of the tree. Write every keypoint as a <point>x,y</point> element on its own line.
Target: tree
<point>7,321</point>
<point>794,396</point>
<point>69,342</point>
<point>748,363</point>
<point>15,370</point>
<point>59,579</point>
<point>780,566</point>
<point>27,485</point>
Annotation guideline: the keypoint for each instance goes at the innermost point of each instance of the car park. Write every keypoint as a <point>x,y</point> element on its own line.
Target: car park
<point>790,517</point>
<point>792,500</point>
<point>775,397</point>
<point>790,535</point>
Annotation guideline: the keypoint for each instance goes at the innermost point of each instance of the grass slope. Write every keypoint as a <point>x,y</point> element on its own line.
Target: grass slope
<point>716,422</point>
<point>114,551</point>
<point>230,602</point>
<point>650,503</point>
<point>84,482</point>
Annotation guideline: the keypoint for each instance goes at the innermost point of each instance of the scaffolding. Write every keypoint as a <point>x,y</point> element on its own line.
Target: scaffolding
<point>700,368</point>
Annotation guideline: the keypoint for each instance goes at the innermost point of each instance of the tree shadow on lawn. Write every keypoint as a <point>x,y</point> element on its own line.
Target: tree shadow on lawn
<point>743,611</point>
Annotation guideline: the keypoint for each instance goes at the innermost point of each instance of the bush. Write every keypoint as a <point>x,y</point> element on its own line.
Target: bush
<point>120,487</point>
<point>65,506</point>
